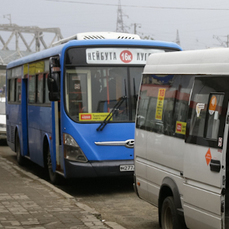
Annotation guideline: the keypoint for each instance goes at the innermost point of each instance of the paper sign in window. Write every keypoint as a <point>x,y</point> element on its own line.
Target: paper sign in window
<point>160,104</point>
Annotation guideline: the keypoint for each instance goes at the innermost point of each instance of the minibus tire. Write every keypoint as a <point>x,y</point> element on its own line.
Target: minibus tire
<point>20,158</point>
<point>53,176</point>
<point>169,216</point>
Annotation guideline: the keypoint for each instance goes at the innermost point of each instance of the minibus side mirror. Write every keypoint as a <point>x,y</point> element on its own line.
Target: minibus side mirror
<point>54,79</point>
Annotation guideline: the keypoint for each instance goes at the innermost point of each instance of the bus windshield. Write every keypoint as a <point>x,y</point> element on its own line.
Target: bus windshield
<point>92,92</point>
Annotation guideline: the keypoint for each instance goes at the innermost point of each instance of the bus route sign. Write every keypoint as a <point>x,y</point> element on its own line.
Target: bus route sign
<point>118,55</point>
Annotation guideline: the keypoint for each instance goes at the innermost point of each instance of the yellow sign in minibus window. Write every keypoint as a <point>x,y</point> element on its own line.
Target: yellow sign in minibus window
<point>180,127</point>
<point>160,103</point>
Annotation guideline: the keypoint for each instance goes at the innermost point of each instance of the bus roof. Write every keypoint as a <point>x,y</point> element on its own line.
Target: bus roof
<point>57,50</point>
<point>209,61</point>
<point>96,36</point>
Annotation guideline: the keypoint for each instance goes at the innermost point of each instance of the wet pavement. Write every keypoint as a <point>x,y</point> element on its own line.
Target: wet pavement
<point>26,201</point>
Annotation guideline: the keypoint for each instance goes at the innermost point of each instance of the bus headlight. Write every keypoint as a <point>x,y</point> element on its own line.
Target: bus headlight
<point>72,150</point>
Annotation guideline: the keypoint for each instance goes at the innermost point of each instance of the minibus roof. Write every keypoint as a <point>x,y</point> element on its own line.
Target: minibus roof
<point>209,61</point>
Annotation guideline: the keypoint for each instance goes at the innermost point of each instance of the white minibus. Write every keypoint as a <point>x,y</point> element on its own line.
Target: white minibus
<point>181,138</point>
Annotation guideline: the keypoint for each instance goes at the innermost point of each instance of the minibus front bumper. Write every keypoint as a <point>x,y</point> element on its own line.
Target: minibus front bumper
<point>99,168</point>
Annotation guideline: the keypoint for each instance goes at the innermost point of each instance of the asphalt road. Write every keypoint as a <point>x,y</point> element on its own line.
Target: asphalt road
<point>113,198</point>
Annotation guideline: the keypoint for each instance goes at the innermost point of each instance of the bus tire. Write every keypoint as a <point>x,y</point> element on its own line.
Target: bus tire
<point>169,215</point>
<point>20,158</point>
<point>53,176</point>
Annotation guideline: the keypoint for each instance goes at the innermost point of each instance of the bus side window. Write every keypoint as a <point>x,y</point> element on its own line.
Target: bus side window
<point>40,88</point>
<point>18,90</point>
<point>32,89</point>
<point>46,93</point>
<point>11,94</point>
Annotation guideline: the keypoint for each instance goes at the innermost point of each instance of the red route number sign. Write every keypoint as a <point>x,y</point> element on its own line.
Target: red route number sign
<point>126,56</point>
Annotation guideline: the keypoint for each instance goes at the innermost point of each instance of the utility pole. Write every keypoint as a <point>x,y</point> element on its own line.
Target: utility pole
<point>178,38</point>
<point>120,27</point>
<point>135,27</point>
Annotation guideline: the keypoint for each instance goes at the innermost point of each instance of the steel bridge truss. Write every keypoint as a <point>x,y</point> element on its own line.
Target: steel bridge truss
<point>19,33</point>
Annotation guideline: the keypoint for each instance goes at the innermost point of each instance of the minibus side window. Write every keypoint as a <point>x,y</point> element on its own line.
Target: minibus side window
<point>207,111</point>
<point>163,104</point>
<point>198,116</point>
<point>213,115</point>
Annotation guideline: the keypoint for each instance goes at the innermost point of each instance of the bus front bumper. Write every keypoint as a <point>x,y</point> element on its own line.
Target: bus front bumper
<point>99,169</point>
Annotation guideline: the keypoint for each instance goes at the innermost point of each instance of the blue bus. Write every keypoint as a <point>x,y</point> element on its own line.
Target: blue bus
<point>71,108</point>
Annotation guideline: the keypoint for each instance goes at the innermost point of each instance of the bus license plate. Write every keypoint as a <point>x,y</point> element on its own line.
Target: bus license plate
<point>124,168</point>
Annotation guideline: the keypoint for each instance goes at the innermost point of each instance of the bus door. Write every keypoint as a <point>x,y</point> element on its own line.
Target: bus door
<point>57,135</point>
<point>24,115</point>
<point>204,156</point>
<point>53,83</point>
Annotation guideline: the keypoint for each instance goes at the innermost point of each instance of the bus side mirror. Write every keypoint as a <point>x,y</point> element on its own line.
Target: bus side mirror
<point>54,79</point>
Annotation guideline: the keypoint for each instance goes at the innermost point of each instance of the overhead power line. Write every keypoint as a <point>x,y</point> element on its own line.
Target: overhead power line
<point>141,6</point>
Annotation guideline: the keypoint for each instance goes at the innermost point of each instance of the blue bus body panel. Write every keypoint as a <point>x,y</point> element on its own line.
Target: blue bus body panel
<point>86,135</point>
<point>39,123</point>
<point>13,120</point>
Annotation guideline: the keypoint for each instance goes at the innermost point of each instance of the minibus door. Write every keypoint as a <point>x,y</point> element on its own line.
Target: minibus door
<point>204,154</point>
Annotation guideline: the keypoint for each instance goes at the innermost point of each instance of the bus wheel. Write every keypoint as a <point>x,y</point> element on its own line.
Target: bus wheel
<point>20,158</point>
<point>169,217</point>
<point>53,176</point>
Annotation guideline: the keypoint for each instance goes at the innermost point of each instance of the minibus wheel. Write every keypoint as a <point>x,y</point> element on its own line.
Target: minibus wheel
<point>169,217</point>
<point>53,176</point>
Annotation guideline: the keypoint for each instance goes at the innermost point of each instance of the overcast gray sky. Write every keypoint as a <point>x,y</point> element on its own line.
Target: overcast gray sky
<point>197,21</point>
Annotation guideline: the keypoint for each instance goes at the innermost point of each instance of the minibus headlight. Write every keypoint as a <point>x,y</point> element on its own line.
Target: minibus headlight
<point>72,150</point>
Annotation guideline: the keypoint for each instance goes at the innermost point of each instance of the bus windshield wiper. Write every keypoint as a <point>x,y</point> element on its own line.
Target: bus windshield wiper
<point>110,115</point>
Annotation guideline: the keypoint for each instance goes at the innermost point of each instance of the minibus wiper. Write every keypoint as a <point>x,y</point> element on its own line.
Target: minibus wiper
<point>110,115</point>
